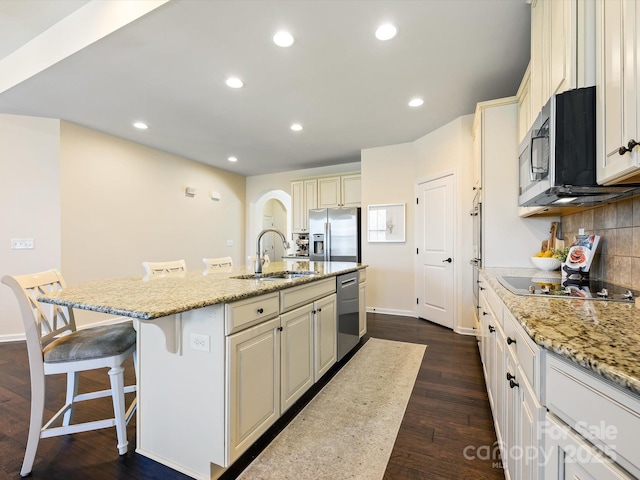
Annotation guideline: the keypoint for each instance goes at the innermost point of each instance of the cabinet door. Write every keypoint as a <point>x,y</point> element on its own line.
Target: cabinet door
<point>296,358</point>
<point>350,189</point>
<point>326,331</point>
<point>524,107</point>
<point>310,199</point>
<point>569,457</point>
<point>298,212</point>
<point>329,192</point>
<point>511,433</point>
<point>253,385</point>
<point>362,309</point>
<point>561,23</point>
<point>539,56</point>
<point>617,89</point>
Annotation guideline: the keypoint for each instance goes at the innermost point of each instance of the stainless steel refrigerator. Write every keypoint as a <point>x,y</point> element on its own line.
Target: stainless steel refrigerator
<point>334,235</point>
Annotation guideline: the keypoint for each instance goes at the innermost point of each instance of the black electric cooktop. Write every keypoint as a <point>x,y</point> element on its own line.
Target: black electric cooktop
<point>588,289</point>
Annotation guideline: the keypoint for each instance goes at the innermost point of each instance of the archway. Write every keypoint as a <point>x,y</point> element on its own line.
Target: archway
<point>257,213</point>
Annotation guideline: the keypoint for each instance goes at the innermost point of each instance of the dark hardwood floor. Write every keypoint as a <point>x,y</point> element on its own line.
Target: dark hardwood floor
<point>447,419</point>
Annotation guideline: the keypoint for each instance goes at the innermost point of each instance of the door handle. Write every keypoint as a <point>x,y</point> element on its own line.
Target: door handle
<point>448,260</point>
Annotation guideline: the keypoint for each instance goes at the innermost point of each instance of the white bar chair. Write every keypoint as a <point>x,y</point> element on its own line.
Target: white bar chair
<point>222,264</point>
<point>164,268</point>
<point>55,346</point>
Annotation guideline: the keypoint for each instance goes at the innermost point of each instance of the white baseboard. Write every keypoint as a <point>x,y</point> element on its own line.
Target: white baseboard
<point>466,331</point>
<point>15,337</point>
<point>387,311</point>
<point>20,337</point>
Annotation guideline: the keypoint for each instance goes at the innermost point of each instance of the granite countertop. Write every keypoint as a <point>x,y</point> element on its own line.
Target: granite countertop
<point>160,296</point>
<point>602,336</point>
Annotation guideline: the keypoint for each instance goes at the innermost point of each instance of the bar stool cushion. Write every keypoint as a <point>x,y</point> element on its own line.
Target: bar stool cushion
<point>96,342</point>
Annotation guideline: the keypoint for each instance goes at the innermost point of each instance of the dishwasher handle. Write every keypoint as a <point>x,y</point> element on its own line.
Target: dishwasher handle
<point>348,282</point>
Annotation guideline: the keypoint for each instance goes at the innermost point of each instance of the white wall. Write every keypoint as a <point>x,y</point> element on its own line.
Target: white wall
<point>450,148</point>
<point>390,175</point>
<point>29,205</point>
<point>98,206</point>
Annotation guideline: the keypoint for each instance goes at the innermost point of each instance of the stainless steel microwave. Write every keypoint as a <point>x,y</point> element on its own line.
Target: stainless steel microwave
<point>558,155</point>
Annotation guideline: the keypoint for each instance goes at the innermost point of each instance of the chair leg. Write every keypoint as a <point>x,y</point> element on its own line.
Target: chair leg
<point>116,375</point>
<point>35,422</point>
<point>72,391</point>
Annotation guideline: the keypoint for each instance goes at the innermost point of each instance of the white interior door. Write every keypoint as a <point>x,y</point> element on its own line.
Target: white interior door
<point>435,271</point>
<point>267,240</point>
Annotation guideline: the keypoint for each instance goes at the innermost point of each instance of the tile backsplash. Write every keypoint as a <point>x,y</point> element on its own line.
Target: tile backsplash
<point>617,259</point>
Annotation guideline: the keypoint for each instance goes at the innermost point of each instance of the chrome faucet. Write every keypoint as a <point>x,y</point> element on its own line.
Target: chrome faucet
<point>259,257</point>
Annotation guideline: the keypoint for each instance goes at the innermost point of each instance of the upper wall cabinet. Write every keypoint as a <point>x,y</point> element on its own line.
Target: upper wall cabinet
<point>341,191</point>
<point>524,105</point>
<point>304,197</point>
<point>323,192</point>
<point>618,93</point>
<point>562,54</point>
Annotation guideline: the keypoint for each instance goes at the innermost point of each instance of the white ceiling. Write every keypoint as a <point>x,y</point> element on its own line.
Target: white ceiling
<point>348,89</point>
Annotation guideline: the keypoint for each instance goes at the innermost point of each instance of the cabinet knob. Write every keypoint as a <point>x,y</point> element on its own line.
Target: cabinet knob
<point>510,377</point>
<point>492,328</point>
<point>313,311</point>
<point>319,309</point>
<point>280,329</point>
<point>630,146</point>
<point>485,313</point>
<point>261,310</point>
<point>513,384</point>
<point>482,288</point>
<point>447,260</point>
<point>510,340</point>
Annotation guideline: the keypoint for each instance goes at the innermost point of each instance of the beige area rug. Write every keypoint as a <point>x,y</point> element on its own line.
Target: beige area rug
<point>349,428</point>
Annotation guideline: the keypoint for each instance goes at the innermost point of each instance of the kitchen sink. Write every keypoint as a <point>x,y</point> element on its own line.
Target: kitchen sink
<point>271,276</point>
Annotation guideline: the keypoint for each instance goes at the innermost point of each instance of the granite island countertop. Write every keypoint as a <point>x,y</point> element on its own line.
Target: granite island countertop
<point>159,296</point>
<point>601,336</point>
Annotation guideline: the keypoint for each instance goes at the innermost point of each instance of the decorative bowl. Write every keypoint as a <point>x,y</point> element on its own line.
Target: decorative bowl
<point>546,263</point>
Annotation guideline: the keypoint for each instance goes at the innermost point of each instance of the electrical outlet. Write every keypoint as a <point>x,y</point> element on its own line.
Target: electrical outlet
<point>22,244</point>
<point>199,342</point>
<point>229,243</point>
<point>581,231</point>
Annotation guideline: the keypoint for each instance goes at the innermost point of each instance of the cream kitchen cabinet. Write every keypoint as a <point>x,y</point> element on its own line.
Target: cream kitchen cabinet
<point>253,385</point>
<point>362,302</point>
<point>304,197</point>
<point>509,363</point>
<point>618,92</point>
<point>297,354</point>
<point>339,191</point>
<point>561,49</point>
<point>525,117</point>
<point>325,333</point>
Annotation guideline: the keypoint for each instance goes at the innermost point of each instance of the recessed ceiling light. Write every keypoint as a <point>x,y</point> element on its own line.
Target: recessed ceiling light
<point>386,31</point>
<point>416,102</point>
<point>234,82</point>
<point>141,125</point>
<point>232,159</point>
<point>283,39</point>
<point>296,127</point>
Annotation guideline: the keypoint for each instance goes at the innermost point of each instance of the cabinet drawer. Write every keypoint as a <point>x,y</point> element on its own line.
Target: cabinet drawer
<point>605,415</point>
<point>291,298</point>
<point>527,352</point>
<point>245,313</point>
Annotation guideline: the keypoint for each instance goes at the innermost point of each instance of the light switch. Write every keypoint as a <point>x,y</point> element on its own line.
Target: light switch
<point>22,244</point>
<point>229,243</point>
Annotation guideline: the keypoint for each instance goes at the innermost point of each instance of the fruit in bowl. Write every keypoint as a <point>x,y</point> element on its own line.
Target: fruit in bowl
<point>546,263</point>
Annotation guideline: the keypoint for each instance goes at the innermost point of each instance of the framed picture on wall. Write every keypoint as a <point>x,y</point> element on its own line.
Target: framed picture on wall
<point>386,223</point>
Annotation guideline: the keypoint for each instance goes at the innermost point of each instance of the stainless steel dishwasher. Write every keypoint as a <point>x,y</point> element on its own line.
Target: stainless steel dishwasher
<point>348,312</point>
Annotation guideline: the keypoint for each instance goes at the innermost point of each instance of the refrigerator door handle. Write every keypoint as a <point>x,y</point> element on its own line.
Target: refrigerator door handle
<point>327,241</point>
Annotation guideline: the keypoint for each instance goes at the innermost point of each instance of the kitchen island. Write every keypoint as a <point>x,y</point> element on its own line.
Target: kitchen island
<point>220,356</point>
